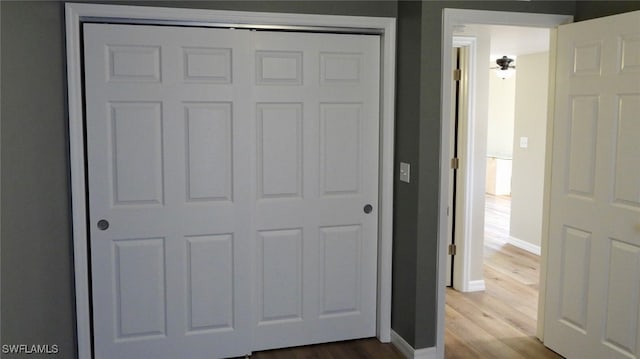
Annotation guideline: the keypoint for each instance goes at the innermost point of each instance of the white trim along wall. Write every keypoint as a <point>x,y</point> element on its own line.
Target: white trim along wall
<point>407,350</point>
<point>529,247</point>
<point>76,13</point>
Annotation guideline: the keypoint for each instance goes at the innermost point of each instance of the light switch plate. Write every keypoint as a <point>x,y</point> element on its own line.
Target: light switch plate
<point>405,172</point>
<point>524,142</point>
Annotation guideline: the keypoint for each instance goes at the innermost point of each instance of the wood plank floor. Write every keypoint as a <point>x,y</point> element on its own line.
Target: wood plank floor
<point>501,321</point>
<point>369,348</point>
<point>498,323</point>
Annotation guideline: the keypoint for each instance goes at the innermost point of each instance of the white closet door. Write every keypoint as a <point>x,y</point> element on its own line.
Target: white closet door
<point>316,102</point>
<point>233,169</point>
<point>169,170</point>
<point>592,305</point>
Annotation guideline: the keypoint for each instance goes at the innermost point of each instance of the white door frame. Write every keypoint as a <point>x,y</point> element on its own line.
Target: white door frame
<point>77,13</point>
<point>450,18</point>
<point>466,136</point>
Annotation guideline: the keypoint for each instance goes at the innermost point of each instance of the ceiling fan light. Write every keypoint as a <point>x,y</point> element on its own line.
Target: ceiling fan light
<point>505,74</point>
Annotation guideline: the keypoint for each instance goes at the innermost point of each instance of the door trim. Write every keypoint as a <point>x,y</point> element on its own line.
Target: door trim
<point>450,18</point>
<point>465,221</point>
<point>77,13</point>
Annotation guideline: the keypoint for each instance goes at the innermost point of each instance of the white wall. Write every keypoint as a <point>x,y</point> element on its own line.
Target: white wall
<point>528,163</point>
<point>502,100</point>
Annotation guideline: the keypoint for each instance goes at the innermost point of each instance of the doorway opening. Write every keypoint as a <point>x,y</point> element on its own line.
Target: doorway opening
<point>506,123</point>
<point>509,126</point>
<point>511,111</point>
<point>473,204</point>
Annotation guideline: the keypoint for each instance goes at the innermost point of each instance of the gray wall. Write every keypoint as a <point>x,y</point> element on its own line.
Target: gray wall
<point>586,10</point>
<point>37,286</point>
<point>404,278</point>
<point>37,264</point>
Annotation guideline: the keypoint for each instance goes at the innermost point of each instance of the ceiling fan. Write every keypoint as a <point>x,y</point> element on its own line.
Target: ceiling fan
<point>504,69</point>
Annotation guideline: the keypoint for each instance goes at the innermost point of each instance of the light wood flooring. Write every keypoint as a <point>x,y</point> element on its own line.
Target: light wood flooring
<point>499,323</point>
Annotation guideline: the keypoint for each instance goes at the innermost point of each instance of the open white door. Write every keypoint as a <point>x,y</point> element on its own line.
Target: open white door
<point>592,305</point>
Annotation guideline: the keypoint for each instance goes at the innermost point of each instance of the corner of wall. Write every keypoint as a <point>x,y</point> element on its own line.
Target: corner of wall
<point>408,351</point>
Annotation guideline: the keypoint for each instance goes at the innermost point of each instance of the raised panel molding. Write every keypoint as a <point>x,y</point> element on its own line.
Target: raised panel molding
<point>210,65</point>
<point>623,299</point>
<point>210,294</point>
<point>209,151</point>
<point>139,277</point>
<point>340,148</point>
<point>278,68</point>
<point>129,63</point>
<point>137,153</point>
<point>280,276</point>
<point>627,181</point>
<point>630,57</point>
<point>582,145</point>
<point>575,256</point>
<point>587,59</point>
<point>340,68</point>
<point>279,128</point>
<point>340,270</point>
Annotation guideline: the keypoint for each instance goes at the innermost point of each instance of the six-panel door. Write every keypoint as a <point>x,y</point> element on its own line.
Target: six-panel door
<point>593,281</point>
<point>232,168</point>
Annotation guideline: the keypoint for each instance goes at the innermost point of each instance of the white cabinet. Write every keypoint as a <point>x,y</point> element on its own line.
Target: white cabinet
<point>498,176</point>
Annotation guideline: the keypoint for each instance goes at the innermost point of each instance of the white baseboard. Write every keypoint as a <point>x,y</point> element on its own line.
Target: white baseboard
<point>475,286</point>
<point>529,247</point>
<point>408,351</point>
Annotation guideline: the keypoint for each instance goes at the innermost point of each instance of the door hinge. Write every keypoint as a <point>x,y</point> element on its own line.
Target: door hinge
<point>452,249</point>
<point>455,163</point>
<point>457,75</point>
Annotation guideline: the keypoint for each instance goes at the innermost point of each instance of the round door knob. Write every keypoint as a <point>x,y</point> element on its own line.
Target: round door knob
<point>368,208</point>
<point>103,224</point>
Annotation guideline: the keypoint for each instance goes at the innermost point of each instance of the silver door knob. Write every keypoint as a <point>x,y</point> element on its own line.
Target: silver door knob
<point>103,224</point>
